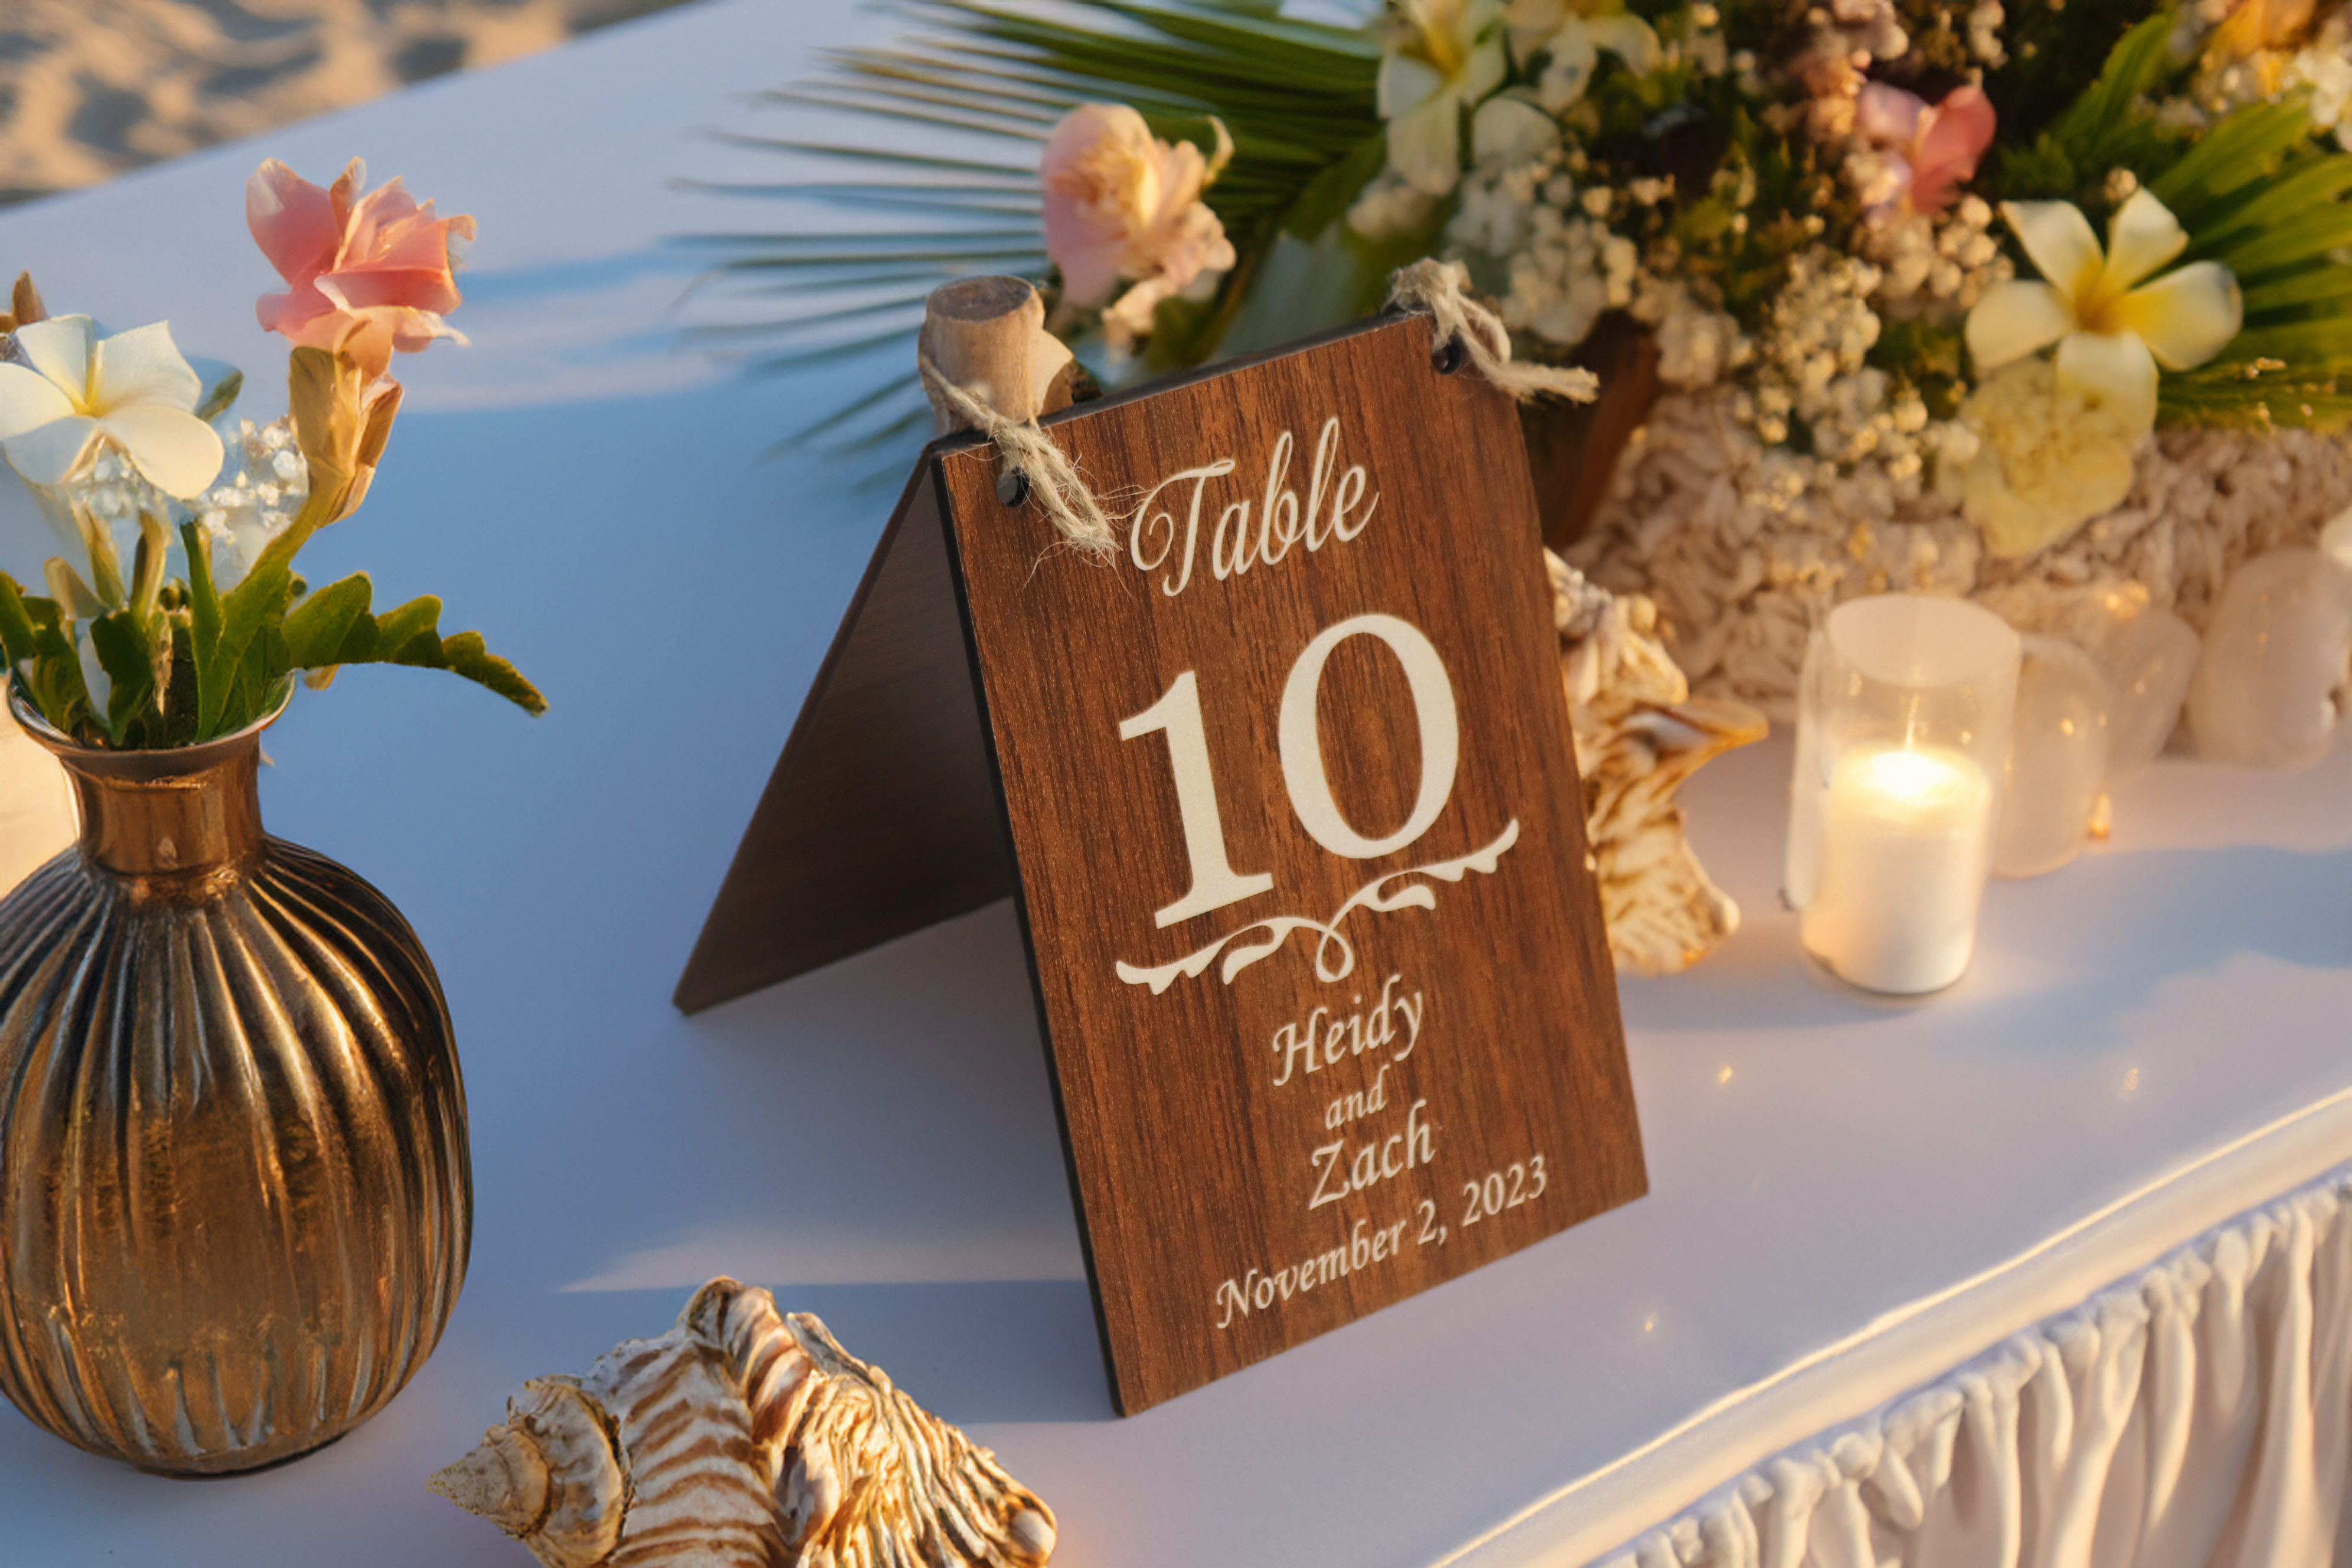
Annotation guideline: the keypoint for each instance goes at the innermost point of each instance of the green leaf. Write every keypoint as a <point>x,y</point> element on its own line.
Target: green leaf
<point>2308,237</point>
<point>50,673</point>
<point>2055,52</point>
<point>247,661</point>
<point>179,716</point>
<point>466,654</point>
<point>333,627</point>
<point>204,606</point>
<point>2316,185</point>
<point>407,627</point>
<point>330,626</point>
<point>2040,171</point>
<point>126,654</point>
<point>2232,154</point>
<point>1296,97</point>
<point>2330,282</point>
<point>19,638</point>
<point>222,395</point>
<point>1326,198</point>
<point>2133,68</point>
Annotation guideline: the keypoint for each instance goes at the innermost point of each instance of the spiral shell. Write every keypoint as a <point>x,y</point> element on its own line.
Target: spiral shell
<point>1639,735</point>
<point>742,1439</point>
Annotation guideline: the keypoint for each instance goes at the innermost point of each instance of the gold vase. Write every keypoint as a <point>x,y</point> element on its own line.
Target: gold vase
<point>235,1200</point>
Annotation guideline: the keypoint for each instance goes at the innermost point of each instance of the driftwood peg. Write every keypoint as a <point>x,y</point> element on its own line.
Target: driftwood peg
<point>989,334</point>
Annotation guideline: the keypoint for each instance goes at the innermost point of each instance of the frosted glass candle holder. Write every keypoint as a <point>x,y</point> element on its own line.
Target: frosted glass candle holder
<point>1902,721</point>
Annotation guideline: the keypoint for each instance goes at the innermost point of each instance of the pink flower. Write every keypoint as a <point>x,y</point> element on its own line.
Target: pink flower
<point>365,276</point>
<point>1122,204</point>
<point>1935,148</point>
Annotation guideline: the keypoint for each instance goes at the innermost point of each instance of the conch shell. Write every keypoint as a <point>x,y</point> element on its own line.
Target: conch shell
<point>1639,734</point>
<point>742,1439</point>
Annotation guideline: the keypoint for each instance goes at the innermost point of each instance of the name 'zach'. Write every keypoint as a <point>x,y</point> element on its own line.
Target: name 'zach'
<point>1376,1160</point>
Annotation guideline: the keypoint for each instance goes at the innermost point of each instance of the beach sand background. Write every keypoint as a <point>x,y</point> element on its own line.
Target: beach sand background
<point>90,88</point>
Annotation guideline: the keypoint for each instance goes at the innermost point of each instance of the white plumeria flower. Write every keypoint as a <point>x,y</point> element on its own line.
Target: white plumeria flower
<point>72,390</point>
<point>2112,329</point>
<point>1443,55</point>
<point>1570,41</point>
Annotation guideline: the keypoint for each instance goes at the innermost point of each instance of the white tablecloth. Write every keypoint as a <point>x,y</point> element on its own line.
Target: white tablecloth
<point>1849,1198</point>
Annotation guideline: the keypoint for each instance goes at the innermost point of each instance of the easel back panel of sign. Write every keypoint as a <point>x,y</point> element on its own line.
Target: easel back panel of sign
<point>1300,850</point>
<point>881,817</point>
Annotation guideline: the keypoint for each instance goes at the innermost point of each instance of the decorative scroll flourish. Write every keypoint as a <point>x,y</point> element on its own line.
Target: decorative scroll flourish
<point>1373,895</point>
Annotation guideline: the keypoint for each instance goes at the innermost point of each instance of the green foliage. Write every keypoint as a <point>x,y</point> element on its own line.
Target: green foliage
<point>245,645</point>
<point>1930,356</point>
<point>2051,49</point>
<point>2261,197</point>
<point>1751,187</point>
<point>41,656</point>
<point>2108,126</point>
<point>2254,192</point>
<point>202,663</point>
<point>127,652</point>
<point>333,627</point>
<point>1296,97</point>
<point>1788,183</point>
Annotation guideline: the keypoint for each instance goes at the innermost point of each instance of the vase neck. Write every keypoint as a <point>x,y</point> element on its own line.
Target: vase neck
<point>183,817</point>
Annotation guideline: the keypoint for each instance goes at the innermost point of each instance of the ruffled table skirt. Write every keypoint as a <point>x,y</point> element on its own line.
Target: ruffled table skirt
<point>2198,1413</point>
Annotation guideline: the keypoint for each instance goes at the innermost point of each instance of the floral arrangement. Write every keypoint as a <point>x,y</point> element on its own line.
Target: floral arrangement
<point>2047,305</point>
<point>174,614</point>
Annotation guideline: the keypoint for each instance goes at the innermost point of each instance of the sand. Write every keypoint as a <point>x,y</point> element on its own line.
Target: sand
<point>90,88</point>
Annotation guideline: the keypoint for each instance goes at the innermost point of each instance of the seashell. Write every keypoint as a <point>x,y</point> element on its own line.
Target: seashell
<point>742,1439</point>
<point>1639,735</point>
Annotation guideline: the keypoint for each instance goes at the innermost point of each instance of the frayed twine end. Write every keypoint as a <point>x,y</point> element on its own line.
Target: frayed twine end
<point>1027,453</point>
<point>1438,289</point>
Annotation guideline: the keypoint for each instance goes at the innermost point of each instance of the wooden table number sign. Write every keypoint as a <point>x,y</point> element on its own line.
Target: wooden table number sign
<point>1285,794</point>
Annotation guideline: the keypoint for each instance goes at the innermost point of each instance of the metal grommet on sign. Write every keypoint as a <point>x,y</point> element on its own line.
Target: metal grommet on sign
<point>1450,356</point>
<point>1011,489</point>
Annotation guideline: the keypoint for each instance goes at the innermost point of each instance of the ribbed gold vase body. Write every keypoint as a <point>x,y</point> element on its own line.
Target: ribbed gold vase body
<point>234,1198</point>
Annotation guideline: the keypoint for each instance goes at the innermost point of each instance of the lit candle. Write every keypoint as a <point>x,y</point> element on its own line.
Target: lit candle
<point>1903,722</point>
<point>1906,836</point>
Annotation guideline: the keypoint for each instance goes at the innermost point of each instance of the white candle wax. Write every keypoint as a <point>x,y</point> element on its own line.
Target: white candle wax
<point>1906,839</point>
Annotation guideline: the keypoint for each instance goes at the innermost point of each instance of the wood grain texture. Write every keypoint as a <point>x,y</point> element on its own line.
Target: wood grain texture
<point>880,817</point>
<point>1195,1160</point>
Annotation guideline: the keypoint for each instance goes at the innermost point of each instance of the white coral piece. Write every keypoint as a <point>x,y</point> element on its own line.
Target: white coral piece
<point>1743,546</point>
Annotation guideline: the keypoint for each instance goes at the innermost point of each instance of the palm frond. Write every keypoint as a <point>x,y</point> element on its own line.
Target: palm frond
<point>1296,98</point>
<point>2259,196</point>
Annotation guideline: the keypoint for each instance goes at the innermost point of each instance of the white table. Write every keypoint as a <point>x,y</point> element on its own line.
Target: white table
<point>1847,1198</point>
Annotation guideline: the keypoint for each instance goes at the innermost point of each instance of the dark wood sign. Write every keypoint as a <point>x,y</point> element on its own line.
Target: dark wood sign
<point>1294,830</point>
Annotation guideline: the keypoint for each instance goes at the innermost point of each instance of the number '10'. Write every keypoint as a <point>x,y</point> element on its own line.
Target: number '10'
<point>1216,883</point>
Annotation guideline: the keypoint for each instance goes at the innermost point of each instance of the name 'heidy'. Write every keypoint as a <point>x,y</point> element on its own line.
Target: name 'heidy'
<point>1281,522</point>
<point>1325,1039</point>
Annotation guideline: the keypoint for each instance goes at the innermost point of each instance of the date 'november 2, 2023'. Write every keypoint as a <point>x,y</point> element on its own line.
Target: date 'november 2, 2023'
<point>1367,1146</point>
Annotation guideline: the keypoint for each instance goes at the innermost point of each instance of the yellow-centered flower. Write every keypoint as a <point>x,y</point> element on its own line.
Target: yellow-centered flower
<point>1443,55</point>
<point>67,390</point>
<point>1570,35</point>
<point>2112,325</point>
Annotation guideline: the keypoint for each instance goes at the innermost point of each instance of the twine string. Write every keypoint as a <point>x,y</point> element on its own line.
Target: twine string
<point>1430,287</point>
<point>1027,451</point>
<point>1436,290</point>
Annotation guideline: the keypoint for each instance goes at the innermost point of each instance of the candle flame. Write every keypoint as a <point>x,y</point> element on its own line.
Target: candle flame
<point>1914,778</point>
